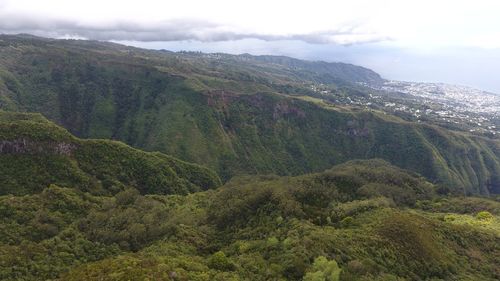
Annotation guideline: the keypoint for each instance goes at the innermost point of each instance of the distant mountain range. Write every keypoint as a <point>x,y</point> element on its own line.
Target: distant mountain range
<point>246,114</point>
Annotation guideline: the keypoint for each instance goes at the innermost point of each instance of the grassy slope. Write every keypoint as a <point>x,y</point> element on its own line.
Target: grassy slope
<point>34,153</point>
<point>224,113</point>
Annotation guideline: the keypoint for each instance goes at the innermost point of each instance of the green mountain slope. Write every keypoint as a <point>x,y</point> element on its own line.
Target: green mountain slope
<point>362,220</point>
<point>234,114</point>
<point>34,153</point>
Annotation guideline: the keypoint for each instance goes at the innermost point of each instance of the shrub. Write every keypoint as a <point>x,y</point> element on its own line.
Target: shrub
<point>323,270</point>
<point>272,242</point>
<point>219,261</point>
<point>484,215</point>
<point>449,218</point>
<point>347,221</point>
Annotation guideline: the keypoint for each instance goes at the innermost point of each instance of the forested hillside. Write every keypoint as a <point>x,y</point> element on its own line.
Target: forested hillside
<point>35,153</point>
<point>311,189</point>
<point>352,222</point>
<point>234,114</point>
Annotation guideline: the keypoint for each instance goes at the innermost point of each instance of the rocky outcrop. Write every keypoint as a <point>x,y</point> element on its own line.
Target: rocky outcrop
<point>284,107</point>
<point>27,146</point>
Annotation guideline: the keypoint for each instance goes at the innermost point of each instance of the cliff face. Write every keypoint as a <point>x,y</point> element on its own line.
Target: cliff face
<point>27,146</point>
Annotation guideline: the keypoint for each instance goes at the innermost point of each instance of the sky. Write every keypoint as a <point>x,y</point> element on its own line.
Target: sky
<point>434,41</point>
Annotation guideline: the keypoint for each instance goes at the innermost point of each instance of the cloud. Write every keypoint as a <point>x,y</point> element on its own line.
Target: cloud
<point>174,30</point>
<point>425,24</point>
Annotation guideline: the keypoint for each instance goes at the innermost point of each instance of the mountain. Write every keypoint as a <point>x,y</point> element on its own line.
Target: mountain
<point>234,114</point>
<point>35,153</point>
<point>363,192</point>
<point>318,71</point>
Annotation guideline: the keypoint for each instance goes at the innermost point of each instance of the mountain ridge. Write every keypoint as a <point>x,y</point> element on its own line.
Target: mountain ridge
<point>31,143</point>
<point>234,118</point>
<point>362,192</point>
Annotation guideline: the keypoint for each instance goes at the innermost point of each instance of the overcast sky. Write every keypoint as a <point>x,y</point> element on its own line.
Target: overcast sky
<point>447,41</point>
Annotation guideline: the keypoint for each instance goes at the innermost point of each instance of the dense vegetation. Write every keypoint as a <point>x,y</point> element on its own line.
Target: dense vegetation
<point>234,114</point>
<point>352,222</point>
<point>97,209</point>
<point>35,153</point>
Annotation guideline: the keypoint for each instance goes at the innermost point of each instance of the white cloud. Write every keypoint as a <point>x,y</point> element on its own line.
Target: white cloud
<point>421,24</point>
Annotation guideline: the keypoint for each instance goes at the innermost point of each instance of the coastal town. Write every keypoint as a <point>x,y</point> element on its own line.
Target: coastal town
<point>452,106</point>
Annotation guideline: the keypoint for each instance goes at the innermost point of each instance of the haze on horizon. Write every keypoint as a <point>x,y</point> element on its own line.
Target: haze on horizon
<point>454,42</point>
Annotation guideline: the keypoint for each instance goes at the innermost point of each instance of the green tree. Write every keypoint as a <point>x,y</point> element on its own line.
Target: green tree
<point>323,270</point>
<point>484,216</point>
<point>219,261</point>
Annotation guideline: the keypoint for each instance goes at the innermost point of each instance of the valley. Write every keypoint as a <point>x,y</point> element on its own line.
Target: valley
<point>121,163</point>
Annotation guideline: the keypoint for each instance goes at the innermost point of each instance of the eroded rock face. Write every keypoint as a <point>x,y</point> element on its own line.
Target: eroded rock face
<point>285,108</point>
<point>220,99</point>
<point>354,129</point>
<point>27,146</point>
